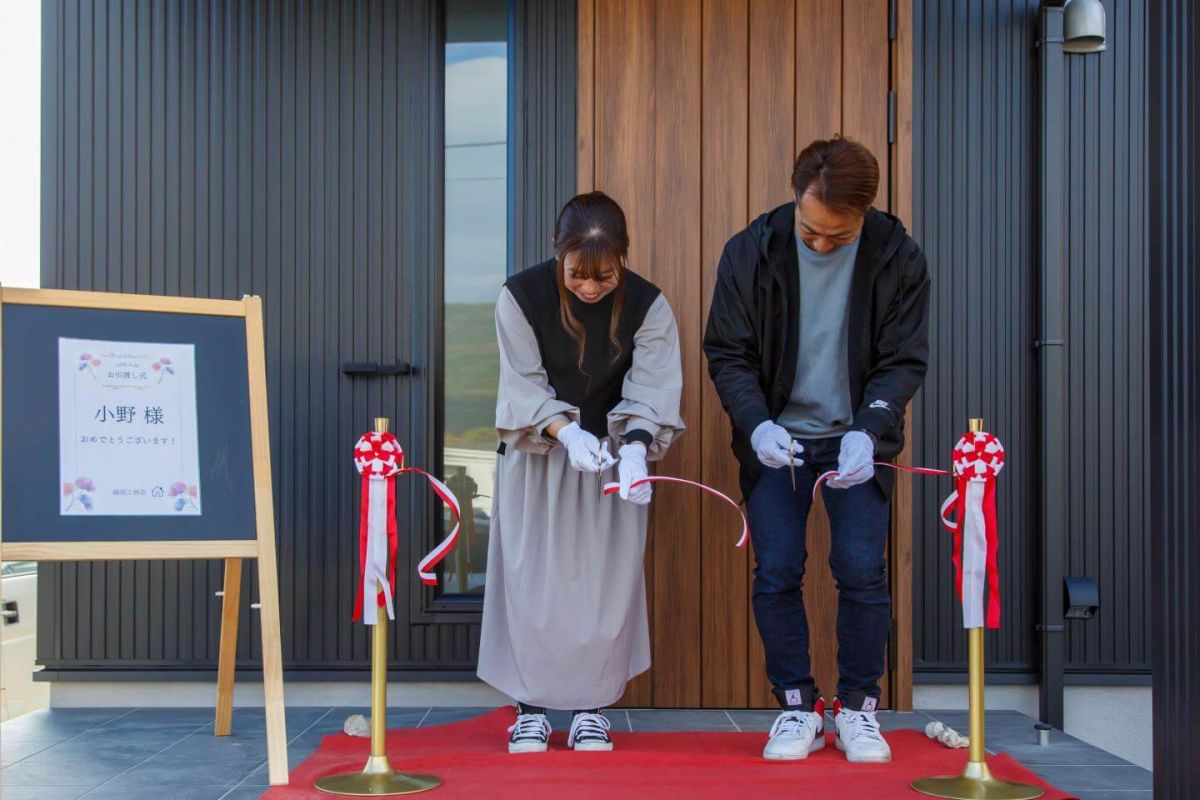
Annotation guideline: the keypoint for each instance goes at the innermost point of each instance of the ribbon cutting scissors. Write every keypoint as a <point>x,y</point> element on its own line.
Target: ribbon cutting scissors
<point>792,461</point>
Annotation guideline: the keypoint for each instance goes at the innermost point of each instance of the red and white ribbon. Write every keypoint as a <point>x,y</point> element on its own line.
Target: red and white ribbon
<point>613,488</point>
<point>379,458</point>
<point>833,473</point>
<point>978,459</point>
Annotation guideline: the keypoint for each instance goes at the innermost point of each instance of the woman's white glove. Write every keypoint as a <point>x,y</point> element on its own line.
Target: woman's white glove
<point>583,449</point>
<point>856,461</point>
<point>631,469</point>
<point>774,446</point>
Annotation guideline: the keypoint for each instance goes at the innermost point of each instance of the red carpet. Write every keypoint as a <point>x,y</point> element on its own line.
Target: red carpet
<point>472,761</point>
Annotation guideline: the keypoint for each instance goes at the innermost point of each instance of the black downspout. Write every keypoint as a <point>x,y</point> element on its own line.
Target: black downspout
<point>1051,348</point>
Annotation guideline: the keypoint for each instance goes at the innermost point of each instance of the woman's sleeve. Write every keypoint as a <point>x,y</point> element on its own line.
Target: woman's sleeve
<point>525,401</point>
<point>650,394</point>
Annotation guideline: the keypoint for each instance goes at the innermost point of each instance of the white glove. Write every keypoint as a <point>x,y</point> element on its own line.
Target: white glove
<point>631,469</point>
<point>774,446</point>
<point>582,447</point>
<point>856,461</point>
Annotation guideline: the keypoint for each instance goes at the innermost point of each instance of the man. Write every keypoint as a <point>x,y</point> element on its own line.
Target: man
<point>816,341</point>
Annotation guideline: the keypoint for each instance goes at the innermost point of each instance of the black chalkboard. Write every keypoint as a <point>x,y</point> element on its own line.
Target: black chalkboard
<point>30,435</point>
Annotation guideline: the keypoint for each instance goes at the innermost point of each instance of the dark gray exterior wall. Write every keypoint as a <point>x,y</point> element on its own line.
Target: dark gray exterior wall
<point>975,125</point>
<point>1174,203</point>
<point>290,150</point>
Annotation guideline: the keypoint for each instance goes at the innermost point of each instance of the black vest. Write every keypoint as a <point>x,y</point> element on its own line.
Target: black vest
<point>597,388</point>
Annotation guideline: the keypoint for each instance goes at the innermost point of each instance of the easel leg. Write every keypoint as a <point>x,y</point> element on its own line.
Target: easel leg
<point>272,659</point>
<point>227,660</point>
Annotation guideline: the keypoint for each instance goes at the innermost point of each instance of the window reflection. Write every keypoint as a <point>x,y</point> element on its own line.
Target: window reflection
<point>476,239</point>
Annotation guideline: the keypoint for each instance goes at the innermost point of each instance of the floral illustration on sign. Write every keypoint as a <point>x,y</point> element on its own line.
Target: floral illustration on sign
<point>163,367</point>
<point>89,362</point>
<point>80,492</point>
<point>184,495</point>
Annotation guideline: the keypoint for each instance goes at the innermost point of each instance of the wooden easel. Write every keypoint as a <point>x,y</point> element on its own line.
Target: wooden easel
<point>261,547</point>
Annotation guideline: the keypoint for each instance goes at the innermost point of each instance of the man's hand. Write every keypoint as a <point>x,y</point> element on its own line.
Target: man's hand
<point>774,446</point>
<point>856,461</point>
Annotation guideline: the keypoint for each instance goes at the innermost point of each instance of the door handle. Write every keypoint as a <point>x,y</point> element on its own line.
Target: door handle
<point>10,613</point>
<point>375,368</point>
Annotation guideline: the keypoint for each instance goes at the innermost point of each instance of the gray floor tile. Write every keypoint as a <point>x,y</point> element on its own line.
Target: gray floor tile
<point>152,792</point>
<point>40,770</point>
<point>12,752</point>
<point>756,721</point>
<point>396,717</point>
<point>43,792</point>
<point>1082,779</point>
<point>245,793</point>
<point>442,716</point>
<point>56,724</point>
<point>1071,753</point>
<point>125,749</point>
<point>646,720</point>
<point>206,747</point>
<point>164,771</point>
<point>1126,795</point>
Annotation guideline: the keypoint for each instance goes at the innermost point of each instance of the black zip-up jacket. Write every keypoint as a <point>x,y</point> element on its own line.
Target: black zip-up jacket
<point>753,331</point>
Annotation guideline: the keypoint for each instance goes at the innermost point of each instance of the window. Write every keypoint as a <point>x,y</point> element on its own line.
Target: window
<point>475,267</point>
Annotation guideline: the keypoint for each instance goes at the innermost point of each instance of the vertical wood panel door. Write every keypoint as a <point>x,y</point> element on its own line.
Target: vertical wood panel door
<point>690,115</point>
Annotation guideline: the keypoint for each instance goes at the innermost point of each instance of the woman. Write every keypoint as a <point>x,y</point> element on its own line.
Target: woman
<point>589,364</point>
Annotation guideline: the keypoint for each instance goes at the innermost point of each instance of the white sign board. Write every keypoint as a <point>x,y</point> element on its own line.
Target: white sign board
<point>127,428</point>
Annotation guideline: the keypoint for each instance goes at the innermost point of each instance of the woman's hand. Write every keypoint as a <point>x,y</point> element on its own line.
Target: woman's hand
<point>583,449</point>
<point>631,469</point>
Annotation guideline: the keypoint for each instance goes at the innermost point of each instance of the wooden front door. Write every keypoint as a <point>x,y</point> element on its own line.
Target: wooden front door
<point>690,115</point>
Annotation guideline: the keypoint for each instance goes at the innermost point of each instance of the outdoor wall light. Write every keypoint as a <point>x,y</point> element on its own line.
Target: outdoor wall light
<point>1081,597</point>
<point>1084,27</point>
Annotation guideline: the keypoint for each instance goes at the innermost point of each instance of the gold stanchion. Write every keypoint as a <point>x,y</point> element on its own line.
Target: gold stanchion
<point>976,781</point>
<point>378,778</point>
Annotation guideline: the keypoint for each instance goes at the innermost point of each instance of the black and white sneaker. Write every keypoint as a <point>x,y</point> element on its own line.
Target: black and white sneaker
<point>529,734</point>
<point>589,731</point>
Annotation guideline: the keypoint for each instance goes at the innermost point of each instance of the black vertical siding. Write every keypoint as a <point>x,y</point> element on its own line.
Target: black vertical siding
<point>290,150</point>
<point>1106,325</point>
<point>1174,307</point>
<point>975,181</point>
<point>542,160</point>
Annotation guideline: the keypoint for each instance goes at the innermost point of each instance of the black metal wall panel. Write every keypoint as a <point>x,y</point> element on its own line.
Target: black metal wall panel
<point>289,150</point>
<point>1174,308</point>
<point>1107,326</point>
<point>542,173</point>
<point>975,184</point>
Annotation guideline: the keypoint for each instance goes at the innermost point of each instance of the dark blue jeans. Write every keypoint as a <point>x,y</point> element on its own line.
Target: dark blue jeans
<point>859,526</point>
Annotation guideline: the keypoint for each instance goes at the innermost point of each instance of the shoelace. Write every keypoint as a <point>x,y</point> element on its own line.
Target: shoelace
<point>793,725</point>
<point>530,727</point>
<point>861,723</point>
<point>587,727</point>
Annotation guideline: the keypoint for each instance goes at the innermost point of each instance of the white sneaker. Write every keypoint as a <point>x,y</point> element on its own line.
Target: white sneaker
<point>858,734</point>
<point>795,734</point>
<point>530,734</point>
<point>589,732</point>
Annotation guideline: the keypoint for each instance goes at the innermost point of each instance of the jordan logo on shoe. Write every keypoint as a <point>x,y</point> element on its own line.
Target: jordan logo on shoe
<point>869,704</point>
<point>794,697</point>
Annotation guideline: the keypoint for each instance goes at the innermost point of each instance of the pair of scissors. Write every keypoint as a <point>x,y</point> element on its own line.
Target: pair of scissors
<point>604,460</point>
<point>792,461</point>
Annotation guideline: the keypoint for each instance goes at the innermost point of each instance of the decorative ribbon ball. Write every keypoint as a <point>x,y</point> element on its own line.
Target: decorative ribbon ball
<point>978,455</point>
<point>378,455</point>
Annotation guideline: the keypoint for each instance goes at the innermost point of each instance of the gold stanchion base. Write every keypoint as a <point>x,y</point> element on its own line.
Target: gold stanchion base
<point>377,779</point>
<point>976,783</point>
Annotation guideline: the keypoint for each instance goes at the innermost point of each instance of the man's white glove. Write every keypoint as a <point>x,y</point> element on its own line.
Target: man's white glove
<point>856,461</point>
<point>631,469</point>
<point>583,449</point>
<point>774,446</point>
